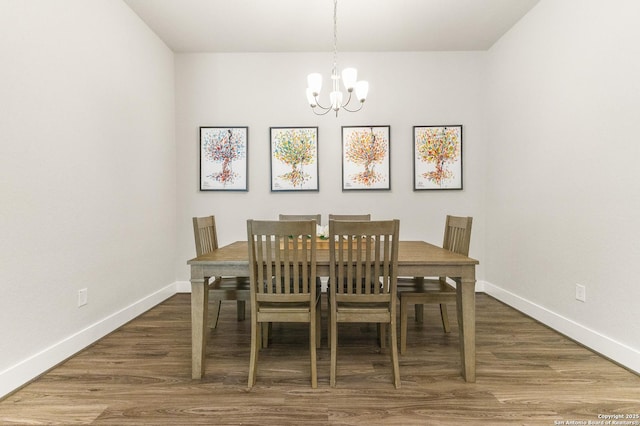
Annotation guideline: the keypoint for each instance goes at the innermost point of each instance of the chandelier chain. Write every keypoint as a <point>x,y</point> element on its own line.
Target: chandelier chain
<point>335,36</point>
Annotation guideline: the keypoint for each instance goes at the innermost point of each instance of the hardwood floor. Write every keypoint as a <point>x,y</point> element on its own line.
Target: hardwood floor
<point>527,374</point>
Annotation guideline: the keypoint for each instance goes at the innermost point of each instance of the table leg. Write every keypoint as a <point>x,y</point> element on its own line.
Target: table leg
<point>466,310</point>
<point>199,313</point>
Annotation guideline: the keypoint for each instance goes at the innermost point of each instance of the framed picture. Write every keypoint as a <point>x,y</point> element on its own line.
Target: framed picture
<point>223,158</point>
<point>437,157</point>
<point>294,158</point>
<point>366,157</point>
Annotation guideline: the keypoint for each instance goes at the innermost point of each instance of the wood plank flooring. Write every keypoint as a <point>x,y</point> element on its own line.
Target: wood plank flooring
<point>527,374</point>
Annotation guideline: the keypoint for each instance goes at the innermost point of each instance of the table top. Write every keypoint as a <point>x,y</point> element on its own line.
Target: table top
<point>409,253</point>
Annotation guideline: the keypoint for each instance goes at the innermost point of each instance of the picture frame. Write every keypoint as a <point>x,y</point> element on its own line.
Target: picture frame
<point>224,154</point>
<point>294,159</point>
<point>437,157</point>
<point>366,158</point>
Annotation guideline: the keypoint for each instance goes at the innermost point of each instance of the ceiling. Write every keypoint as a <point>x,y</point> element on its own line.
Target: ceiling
<point>307,25</point>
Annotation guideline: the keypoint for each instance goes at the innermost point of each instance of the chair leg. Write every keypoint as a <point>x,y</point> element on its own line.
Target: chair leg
<point>241,305</point>
<point>334,354</point>
<point>265,334</point>
<point>419,313</point>
<point>312,350</point>
<point>318,327</point>
<point>329,320</point>
<point>394,354</point>
<point>419,307</point>
<point>255,345</point>
<point>382,334</point>
<point>215,313</point>
<point>404,307</point>
<point>445,318</point>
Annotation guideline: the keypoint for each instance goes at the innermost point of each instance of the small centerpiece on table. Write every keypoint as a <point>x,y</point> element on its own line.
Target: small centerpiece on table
<point>322,236</point>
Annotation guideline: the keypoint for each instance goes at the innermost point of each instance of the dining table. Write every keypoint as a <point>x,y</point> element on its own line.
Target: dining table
<point>415,259</point>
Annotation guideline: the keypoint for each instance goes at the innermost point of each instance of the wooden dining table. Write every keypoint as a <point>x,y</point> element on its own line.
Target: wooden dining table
<point>415,259</point>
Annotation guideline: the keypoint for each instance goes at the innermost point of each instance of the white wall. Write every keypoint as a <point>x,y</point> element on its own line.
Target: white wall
<point>563,186</point>
<point>263,90</point>
<point>87,177</point>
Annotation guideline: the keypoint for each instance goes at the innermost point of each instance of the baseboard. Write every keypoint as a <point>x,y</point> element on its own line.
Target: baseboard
<point>609,348</point>
<point>28,369</point>
<point>183,287</point>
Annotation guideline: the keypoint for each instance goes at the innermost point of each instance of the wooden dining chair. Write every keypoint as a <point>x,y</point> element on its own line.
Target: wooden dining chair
<point>421,290</point>
<point>360,217</point>
<point>289,217</point>
<point>316,217</point>
<point>220,288</point>
<point>349,217</point>
<point>363,265</point>
<point>282,266</point>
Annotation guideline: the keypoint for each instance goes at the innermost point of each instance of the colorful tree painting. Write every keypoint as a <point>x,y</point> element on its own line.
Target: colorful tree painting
<point>366,147</point>
<point>438,146</point>
<point>224,146</point>
<point>296,148</point>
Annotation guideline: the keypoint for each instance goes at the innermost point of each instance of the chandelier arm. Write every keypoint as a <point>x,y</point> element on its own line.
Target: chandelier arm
<point>320,106</point>
<point>325,111</point>
<point>354,110</point>
<point>348,100</point>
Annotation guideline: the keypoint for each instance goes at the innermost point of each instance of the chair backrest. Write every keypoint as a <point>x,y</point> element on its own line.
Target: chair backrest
<point>363,260</point>
<point>204,231</point>
<point>282,260</point>
<point>350,217</point>
<point>457,234</point>
<point>316,217</point>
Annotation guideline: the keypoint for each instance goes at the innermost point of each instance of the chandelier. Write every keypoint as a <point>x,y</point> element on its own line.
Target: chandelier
<point>349,79</point>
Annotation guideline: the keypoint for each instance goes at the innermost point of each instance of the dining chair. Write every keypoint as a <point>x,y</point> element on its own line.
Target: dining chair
<point>349,217</point>
<point>282,266</point>
<point>266,329</point>
<point>316,217</point>
<point>381,331</point>
<point>220,288</point>
<point>420,290</point>
<point>363,264</point>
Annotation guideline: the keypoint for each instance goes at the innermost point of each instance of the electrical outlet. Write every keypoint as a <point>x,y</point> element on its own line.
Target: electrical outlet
<point>82,297</point>
<point>581,293</point>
